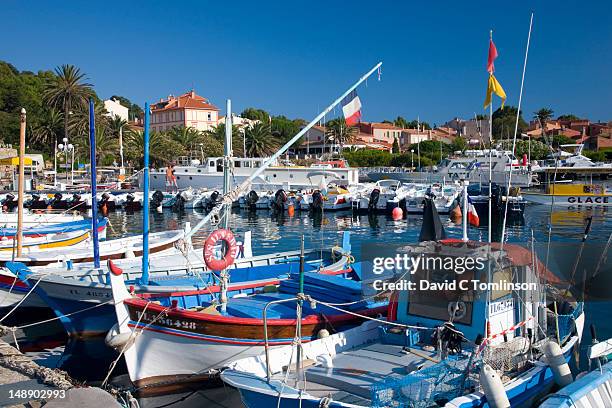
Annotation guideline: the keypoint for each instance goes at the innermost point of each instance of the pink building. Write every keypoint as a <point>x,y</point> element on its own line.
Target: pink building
<point>187,110</point>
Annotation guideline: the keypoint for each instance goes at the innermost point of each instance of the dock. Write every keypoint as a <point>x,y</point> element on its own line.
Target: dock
<point>25,384</point>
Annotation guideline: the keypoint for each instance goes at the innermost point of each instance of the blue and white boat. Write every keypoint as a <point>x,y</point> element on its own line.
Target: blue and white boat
<point>441,348</point>
<point>87,289</point>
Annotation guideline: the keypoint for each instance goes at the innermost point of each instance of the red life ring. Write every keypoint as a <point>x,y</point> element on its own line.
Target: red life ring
<point>209,250</point>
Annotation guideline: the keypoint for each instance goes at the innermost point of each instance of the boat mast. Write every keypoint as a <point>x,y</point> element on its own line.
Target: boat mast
<point>489,228</point>
<point>234,194</point>
<point>144,279</point>
<point>518,114</point>
<point>92,168</point>
<point>22,130</point>
<point>227,157</point>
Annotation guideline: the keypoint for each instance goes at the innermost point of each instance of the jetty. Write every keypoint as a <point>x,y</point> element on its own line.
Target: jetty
<point>24,383</point>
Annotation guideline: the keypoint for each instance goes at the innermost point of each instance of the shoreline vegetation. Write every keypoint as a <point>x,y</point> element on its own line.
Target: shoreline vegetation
<point>57,107</point>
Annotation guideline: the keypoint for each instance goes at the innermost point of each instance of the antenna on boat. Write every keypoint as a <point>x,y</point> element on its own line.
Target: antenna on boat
<point>232,195</point>
<point>92,168</point>
<point>144,279</point>
<point>518,114</point>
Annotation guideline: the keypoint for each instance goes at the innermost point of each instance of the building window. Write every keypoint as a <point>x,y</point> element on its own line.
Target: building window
<point>209,116</point>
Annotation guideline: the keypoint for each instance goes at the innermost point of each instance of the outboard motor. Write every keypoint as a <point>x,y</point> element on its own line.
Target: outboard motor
<point>212,200</point>
<point>58,203</point>
<point>105,201</point>
<point>251,199</point>
<point>179,203</point>
<point>317,201</point>
<point>374,197</point>
<point>75,203</point>
<point>156,199</point>
<point>9,203</point>
<point>280,198</point>
<point>36,203</point>
<point>131,204</point>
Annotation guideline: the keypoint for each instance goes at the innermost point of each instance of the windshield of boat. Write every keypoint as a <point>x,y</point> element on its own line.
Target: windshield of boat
<point>423,303</point>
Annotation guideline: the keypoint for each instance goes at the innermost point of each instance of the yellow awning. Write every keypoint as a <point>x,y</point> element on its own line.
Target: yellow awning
<point>14,161</point>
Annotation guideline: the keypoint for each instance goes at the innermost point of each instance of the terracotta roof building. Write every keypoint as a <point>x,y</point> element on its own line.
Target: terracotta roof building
<point>187,110</point>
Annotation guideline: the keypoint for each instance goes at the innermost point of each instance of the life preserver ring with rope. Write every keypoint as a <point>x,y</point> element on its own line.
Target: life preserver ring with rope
<point>209,249</point>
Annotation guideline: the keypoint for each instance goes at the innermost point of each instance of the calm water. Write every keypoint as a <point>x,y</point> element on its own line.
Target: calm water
<point>89,360</point>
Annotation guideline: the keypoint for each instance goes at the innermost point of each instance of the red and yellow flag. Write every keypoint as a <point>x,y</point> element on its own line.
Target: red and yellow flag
<point>493,86</point>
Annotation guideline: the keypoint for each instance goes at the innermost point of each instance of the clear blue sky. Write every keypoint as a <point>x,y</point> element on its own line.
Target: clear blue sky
<point>294,57</point>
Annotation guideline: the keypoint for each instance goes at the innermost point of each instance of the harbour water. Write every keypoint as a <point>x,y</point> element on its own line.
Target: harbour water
<point>89,360</point>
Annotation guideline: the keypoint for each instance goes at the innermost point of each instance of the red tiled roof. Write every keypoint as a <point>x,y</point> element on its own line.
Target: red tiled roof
<point>187,100</point>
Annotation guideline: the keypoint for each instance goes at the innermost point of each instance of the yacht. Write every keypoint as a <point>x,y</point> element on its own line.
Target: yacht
<point>473,166</point>
<point>209,174</point>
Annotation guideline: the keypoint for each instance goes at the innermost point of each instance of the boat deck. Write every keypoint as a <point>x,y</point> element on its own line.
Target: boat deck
<point>355,371</point>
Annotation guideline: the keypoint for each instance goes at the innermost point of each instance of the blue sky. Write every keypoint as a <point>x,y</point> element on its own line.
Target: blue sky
<point>295,57</point>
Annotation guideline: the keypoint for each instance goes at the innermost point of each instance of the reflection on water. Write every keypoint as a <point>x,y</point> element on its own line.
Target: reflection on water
<point>89,360</point>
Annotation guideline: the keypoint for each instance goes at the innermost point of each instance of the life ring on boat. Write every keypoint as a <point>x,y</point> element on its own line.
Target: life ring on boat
<point>209,249</point>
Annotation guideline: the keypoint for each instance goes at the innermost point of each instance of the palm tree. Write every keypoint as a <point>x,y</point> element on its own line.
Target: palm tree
<point>48,131</point>
<point>259,141</point>
<point>338,132</point>
<point>188,137</point>
<point>162,149</point>
<point>78,122</point>
<point>217,134</point>
<point>67,91</point>
<point>543,115</point>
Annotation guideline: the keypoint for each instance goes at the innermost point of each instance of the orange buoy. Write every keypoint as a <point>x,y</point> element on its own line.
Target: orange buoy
<point>291,210</point>
<point>397,213</point>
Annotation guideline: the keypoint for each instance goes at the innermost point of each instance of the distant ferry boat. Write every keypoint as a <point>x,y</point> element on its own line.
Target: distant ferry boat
<point>573,195</point>
<point>209,175</point>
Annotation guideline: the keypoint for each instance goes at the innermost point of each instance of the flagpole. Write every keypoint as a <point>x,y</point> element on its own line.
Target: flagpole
<point>518,114</point>
<point>489,227</point>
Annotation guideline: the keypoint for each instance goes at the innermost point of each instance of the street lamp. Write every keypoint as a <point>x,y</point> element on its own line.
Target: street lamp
<point>411,159</point>
<point>66,148</point>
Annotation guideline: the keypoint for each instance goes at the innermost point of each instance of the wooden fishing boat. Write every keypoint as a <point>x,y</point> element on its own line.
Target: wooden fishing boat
<point>67,291</point>
<point>109,249</point>
<point>182,338</point>
<point>433,348</point>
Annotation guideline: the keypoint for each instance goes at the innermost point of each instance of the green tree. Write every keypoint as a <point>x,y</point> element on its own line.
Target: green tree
<point>217,134</point>
<point>400,122</point>
<point>48,131</point>
<point>67,91</point>
<point>256,114</point>
<point>459,144</point>
<point>568,117</point>
<point>284,129</point>
<point>504,121</point>
<point>162,149</point>
<point>368,158</point>
<point>259,140</point>
<point>395,148</point>
<point>543,115</point>
<point>561,140</point>
<point>339,133</point>
<point>188,137</point>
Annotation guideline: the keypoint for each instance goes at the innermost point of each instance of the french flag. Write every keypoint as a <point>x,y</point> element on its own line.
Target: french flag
<point>351,107</point>
<point>472,214</point>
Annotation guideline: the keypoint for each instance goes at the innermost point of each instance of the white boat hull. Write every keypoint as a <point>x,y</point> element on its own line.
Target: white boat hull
<point>568,200</point>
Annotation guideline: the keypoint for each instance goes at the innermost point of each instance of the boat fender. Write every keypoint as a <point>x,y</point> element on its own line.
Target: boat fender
<point>559,367</point>
<point>226,236</point>
<point>118,341</point>
<point>323,333</point>
<point>493,388</point>
<point>325,360</point>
